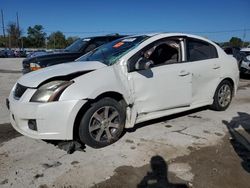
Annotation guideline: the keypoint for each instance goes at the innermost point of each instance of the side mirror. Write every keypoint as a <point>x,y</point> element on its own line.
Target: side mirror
<point>143,64</point>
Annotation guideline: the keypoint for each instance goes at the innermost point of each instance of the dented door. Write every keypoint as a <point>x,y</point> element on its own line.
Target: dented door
<point>162,87</point>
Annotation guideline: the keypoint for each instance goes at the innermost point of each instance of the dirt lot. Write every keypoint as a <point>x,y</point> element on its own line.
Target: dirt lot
<point>200,148</point>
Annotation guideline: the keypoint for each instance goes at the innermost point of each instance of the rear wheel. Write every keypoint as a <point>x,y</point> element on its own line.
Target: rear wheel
<point>103,123</point>
<point>223,96</point>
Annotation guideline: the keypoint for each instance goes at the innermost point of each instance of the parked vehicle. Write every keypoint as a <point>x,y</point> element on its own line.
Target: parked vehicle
<point>37,53</point>
<point>119,84</point>
<point>20,53</point>
<point>233,51</point>
<point>7,53</point>
<point>245,63</point>
<point>3,53</point>
<point>69,54</point>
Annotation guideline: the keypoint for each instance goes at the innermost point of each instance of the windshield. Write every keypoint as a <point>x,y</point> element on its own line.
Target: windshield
<point>77,45</point>
<point>111,52</point>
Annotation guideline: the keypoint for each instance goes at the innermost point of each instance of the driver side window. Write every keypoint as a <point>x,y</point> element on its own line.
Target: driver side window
<point>161,52</point>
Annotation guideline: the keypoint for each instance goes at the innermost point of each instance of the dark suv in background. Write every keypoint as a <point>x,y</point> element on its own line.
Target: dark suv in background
<point>72,52</point>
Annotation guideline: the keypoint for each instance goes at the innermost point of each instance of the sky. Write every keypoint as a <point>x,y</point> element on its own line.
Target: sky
<point>217,20</point>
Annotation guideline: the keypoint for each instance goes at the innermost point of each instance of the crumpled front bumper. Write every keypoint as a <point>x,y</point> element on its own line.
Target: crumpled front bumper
<point>54,120</point>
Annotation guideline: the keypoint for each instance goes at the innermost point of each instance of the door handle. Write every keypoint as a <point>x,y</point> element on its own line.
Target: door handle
<point>216,67</point>
<point>184,73</point>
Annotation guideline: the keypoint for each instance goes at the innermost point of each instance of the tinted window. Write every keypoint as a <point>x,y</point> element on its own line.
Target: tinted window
<point>78,45</point>
<point>95,43</point>
<point>229,51</point>
<point>200,50</point>
<point>100,41</point>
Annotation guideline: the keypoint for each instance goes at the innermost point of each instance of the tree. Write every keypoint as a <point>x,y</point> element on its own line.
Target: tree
<point>57,40</point>
<point>36,36</point>
<point>2,42</point>
<point>14,33</point>
<point>236,42</point>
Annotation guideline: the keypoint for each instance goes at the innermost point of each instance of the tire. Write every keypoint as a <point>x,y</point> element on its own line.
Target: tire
<point>103,123</point>
<point>223,96</point>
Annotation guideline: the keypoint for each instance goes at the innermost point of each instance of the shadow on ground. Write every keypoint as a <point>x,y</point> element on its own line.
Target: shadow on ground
<point>7,132</point>
<point>72,146</point>
<point>153,175</point>
<point>239,129</point>
<point>167,118</point>
<point>158,177</point>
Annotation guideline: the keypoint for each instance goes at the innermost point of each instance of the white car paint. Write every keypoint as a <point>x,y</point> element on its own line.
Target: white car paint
<point>161,91</point>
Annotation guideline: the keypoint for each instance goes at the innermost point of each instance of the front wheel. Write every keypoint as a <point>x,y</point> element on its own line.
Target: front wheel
<point>223,96</point>
<point>103,123</point>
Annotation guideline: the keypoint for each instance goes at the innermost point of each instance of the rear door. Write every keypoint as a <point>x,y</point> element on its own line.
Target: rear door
<point>205,68</point>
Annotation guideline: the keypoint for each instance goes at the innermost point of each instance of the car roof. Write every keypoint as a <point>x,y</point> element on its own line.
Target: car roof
<point>105,36</point>
<point>166,34</point>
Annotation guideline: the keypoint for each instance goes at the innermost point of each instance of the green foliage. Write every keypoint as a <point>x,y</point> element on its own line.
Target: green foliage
<point>236,42</point>
<point>2,42</point>
<point>36,37</point>
<point>14,34</point>
<point>57,40</point>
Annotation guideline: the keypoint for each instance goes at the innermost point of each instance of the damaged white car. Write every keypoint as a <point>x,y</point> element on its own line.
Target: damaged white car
<point>128,81</point>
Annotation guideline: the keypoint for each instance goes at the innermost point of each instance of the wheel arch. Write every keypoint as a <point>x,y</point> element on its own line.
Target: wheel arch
<point>231,82</point>
<point>226,79</point>
<point>111,94</point>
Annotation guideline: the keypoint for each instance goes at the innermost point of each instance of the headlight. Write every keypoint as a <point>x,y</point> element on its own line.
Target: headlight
<point>34,66</point>
<point>50,91</point>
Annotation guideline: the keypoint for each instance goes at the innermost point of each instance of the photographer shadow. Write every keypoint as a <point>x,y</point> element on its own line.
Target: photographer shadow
<point>240,138</point>
<point>158,178</point>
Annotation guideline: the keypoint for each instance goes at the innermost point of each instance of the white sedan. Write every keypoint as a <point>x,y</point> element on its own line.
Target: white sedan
<point>130,80</point>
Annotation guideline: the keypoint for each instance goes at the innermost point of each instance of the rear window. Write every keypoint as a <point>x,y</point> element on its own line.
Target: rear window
<point>200,50</point>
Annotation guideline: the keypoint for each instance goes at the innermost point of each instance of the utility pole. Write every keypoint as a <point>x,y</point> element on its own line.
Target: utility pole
<point>244,37</point>
<point>3,27</point>
<point>54,41</point>
<point>17,25</point>
<point>17,20</point>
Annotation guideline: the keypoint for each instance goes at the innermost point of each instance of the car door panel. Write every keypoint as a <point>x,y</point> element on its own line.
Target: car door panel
<point>205,77</point>
<point>162,87</point>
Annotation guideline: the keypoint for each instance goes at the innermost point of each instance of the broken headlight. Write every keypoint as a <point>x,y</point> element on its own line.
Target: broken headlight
<point>50,91</point>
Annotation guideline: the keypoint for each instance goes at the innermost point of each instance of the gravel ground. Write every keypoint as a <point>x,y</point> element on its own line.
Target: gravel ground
<point>200,148</point>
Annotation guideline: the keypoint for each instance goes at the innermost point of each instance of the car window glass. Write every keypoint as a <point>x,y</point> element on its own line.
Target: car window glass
<point>161,52</point>
<point>90,47</point>
<point>200,50</point>
<point>77,46</point>
<point>100,41</point>
<point>109,53</point>
<point>96,43</point>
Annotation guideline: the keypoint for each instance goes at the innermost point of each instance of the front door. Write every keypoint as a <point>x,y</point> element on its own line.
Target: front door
<point>162,87</point>
<point>166,85</point>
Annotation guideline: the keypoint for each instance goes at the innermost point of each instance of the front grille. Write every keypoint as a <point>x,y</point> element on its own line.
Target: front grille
<point>19,91</point>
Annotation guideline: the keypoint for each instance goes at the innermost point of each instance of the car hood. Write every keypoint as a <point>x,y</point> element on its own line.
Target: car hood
<point>45,59</point>
<point>34,79</point>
